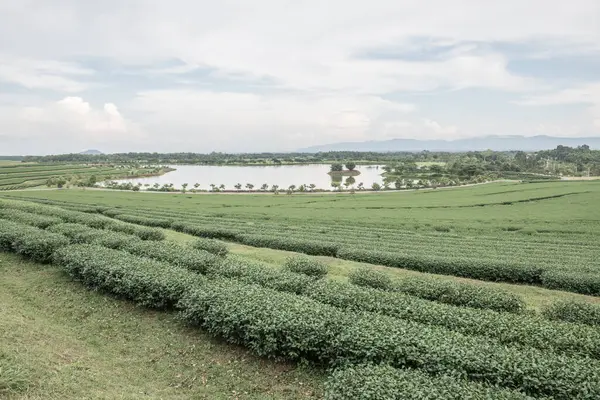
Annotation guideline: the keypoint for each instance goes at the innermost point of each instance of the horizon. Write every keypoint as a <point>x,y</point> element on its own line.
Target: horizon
<point>273,77</point>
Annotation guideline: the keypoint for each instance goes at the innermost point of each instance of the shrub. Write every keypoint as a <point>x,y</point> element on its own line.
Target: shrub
<point>174,254</point>
<point>305,265</point>
<point>311,247</point>
<point>374,382</point>
<point>461,294</point>
<point>23,217</point>
<point>458,266</point>
<point>371,278</point>
<point>574,311</point>
<point>578,282</point>
<point>505,328</point>
<point>38,245</point>
<point>261,274</point>
<point>284,325</point>
<point>136,219</point>
<point>147,282</point>
<point>212,246</point>
<point>78,234</point>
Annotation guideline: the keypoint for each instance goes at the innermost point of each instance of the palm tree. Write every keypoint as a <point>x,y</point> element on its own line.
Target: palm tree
<point>221,187</point>
<point>249,186</point>
<point>238,186</point>
<point>264,187</point>
<point>196,186</point>
<point>312,187</point>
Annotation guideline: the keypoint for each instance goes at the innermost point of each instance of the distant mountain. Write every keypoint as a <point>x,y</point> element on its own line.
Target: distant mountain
<point>91,151</point>
<point>498,143</point>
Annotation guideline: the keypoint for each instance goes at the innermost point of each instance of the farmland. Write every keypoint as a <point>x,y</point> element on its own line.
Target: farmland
<point>29,175</point>
<point>488,291</point>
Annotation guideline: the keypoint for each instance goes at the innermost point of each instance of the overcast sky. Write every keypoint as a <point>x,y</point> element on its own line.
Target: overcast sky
<point>268,75</point>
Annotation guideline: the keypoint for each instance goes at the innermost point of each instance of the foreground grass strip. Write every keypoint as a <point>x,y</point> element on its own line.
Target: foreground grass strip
<point>283,325</point>
<point>370,382</point>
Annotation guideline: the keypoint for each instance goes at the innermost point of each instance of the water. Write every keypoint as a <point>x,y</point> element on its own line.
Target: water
<point>281,175</point>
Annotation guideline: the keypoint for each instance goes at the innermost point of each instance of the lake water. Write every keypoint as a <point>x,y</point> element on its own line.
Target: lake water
<point>281,175</point>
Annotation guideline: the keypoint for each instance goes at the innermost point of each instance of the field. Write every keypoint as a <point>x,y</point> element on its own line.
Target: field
<point>15,175</point>
<point>487,291</point>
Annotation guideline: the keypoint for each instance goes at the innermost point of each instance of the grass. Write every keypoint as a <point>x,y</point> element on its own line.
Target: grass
<point>65,342</point>
<point>535,297</point>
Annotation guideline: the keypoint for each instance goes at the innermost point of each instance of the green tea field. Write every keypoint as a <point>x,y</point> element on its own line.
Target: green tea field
<point>489,291</point>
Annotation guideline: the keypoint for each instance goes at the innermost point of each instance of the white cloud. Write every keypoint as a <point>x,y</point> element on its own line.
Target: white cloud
<point>42,74</point>
<point>283,74</point>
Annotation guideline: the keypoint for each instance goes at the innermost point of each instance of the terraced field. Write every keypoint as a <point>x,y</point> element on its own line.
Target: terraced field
<point>372,334</point>
<point>21,176</point>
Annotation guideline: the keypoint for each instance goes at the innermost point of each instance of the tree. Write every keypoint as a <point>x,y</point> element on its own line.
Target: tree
<point>196,186</point>
<point>398,184</point>
<point>291,188</point>
<point>350,181</point>
<point>221,187</point>
<point>376,186</point>
<point>238,186</point>
<point>184,187</point>
<point>350,166</point>
<point>249,186</point>
<point>360,186</point>
<point>275,188</point>
<point>337,167</point>
<point>312,187</point>
<point>264,187</point>
<point>135,188</point>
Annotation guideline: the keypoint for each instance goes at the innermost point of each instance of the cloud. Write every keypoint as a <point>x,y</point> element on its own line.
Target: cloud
<point>71,124</point>
<point>286,74</point>
<point>42,74</point>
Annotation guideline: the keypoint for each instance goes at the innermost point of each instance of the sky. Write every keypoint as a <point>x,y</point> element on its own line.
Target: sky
<point>278,75</point>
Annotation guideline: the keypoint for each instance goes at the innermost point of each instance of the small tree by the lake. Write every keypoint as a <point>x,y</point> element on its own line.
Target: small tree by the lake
<point>350,166</point>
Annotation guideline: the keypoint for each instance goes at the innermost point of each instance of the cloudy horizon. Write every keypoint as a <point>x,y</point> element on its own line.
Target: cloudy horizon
<point>271,75</point>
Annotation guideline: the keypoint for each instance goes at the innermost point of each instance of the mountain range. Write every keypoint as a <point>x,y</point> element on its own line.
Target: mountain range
<point>497,143</point>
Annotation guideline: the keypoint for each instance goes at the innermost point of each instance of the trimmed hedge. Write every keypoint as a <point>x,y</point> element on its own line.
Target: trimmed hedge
<point>465,267</point>
<point>578,282</point>
<point>369,277</point>
<point>261,274</point>
<point>306,266</point>
<point>212,246</point>
<point>574,311</point>
<point>172,253</point>
<point>287,326</point>
<point>505,328</point>
<point>135,219</point>
<point>23,217</point>
<point>30,242</point>
<point>78,234</point>
<point>461,294</point>
<point>378,382</point>
<point>310,247</point>
<point>147,282</point>
<point>205,231</point>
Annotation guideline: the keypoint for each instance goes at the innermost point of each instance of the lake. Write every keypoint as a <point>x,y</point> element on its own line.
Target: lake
<point>281,175</point>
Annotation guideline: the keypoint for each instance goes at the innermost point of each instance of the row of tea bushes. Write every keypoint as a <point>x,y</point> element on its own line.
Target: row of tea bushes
<point>443,291</point>
<point>284,325</point>
<point>574,311</point>
<point>375,382</point>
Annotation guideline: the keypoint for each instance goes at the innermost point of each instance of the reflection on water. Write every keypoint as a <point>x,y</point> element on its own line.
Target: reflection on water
<point>283,176</point>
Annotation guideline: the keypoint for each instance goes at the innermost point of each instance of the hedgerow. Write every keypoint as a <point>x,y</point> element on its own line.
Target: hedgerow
<point>147,282</point>
<point>78,233</point>
<point>305,265</point>
<point>136,219</point>
<point>371,278</point>
<point>461,294</point>
<point>27,218</point>
<point>28,241</point>
<point>205,231</point>
<point>377,382</point>
<point>172,253</point>
<point>465,267</point>
<point>503,327</point>
<point>283,325</point>
<point>212,246</point>
<point>261,274</point>
<point>574,311</point>
<point>572,281</point>
<point>311,247</point>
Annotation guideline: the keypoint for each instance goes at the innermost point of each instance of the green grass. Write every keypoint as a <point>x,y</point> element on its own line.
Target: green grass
<point>65,342</point>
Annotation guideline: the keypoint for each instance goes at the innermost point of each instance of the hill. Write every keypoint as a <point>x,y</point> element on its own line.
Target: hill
<point>497,143</point>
